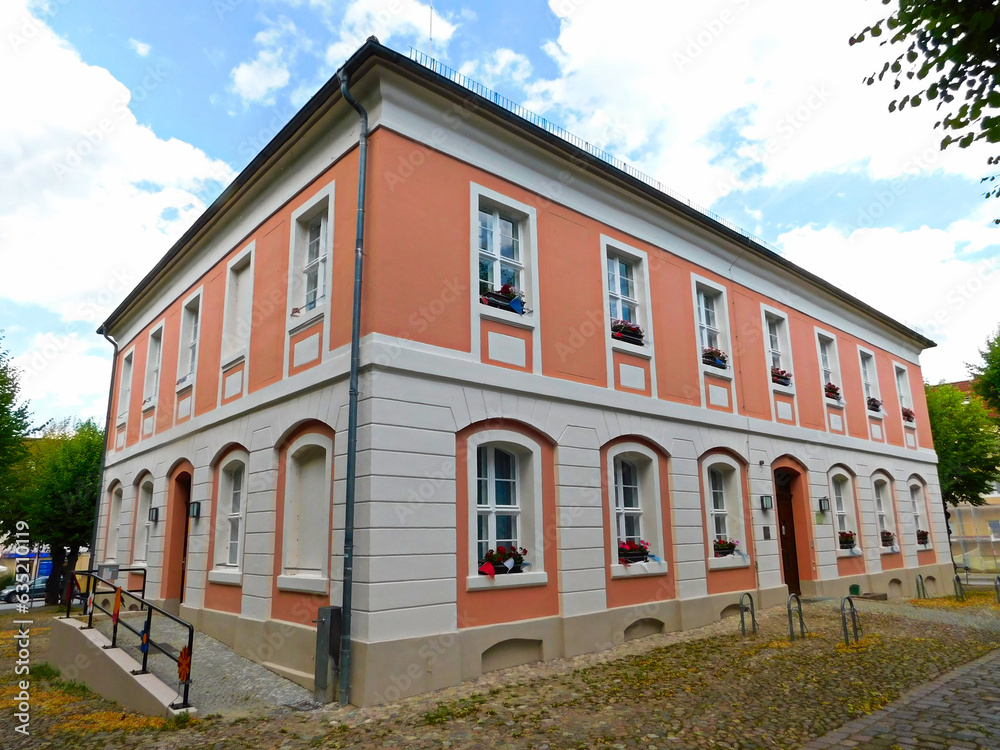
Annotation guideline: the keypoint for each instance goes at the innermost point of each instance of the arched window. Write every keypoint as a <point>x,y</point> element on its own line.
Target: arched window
<point>633,483</point>
<point>114,524</point>
<point>306,513</point>
<point>722,478</point>
<point>918,506</point>
<point>142,523</point>
<point>885,516</point>
<point>841,491</point>
<point>628,510</point>
<point>505,504</point>
<point>229,517</point>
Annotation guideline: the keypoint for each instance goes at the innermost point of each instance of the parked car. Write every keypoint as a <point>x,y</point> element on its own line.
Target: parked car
<point>36,590</point>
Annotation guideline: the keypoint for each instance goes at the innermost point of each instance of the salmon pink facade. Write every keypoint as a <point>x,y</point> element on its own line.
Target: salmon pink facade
<point>555,357</point>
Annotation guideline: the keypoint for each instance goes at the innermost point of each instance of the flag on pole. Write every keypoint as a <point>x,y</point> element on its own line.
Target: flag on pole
<point>487,568</point>
<point>509,563</point>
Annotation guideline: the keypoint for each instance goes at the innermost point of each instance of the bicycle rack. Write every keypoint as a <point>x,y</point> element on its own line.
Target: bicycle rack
<point>854,620</point>
<point>802,623</point>
<point>743,609</point>
<point>996,587</point>
<point>922,589</point>
<point>959,589</point>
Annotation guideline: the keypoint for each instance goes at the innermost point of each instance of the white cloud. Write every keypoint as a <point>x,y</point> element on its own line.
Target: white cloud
<point>141,48</point>
<point>90,198</point>
<point>503,65</point>
<point>915,277</point>
<point>675,86</point>
<point>386,19</point>
<point>64,375</point>
<point>257,80</point>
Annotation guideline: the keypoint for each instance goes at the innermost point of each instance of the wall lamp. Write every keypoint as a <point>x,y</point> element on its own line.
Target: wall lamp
<point>154,515</point>
<point>766,502</point>
<point>194,510</point>
<point>824,505</point>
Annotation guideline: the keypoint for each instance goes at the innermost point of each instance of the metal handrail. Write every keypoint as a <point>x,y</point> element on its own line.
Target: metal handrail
<point>743,609</point>
<point>922,589</point>
<point>959,589</point>
<point>145,635</point>
<point>86,602</point>
<point>802,622</point>
<point>854,619</point>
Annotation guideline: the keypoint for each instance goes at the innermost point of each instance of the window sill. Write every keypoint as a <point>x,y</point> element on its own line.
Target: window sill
<point>302,583</point>
<point>909,425</point>
<point>725,373</point>
<point>526,321</point>
<point>650,568</point>
<point>834,402</point>
<point>927,546</point>
<point>229,577</point>
<point>731,561</point>
<point>788,390</point>
<point>506,581</point>
<point>645,351</point>
<point>185,382</point>
<point>876,414</point>
<point>853,552</point>
<point>139,564</point>
<point>893,550</point>
<point>121,421</point>
<point>148,404</point>
<point>306,319</point>
<point>235,359</point>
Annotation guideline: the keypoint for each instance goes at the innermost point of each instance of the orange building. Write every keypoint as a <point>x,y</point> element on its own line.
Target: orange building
<point>555,356</point>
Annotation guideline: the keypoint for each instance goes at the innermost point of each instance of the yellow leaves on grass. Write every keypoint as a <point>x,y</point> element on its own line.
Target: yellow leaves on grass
<point>107,721</point>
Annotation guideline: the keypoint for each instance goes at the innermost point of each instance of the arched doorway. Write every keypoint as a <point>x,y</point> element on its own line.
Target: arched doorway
<point>176,542</point>
<point>791,504</point>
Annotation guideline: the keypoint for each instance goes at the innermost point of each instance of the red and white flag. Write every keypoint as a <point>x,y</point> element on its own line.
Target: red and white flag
<point>487,568</point>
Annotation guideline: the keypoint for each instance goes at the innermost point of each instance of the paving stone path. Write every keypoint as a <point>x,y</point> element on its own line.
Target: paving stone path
<point>960,709</point>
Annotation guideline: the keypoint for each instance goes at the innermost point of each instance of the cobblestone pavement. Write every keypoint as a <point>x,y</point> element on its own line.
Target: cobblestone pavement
<point>957,710</point>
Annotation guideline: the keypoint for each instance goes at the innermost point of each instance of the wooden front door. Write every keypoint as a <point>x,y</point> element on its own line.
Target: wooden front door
<point>786,529</point>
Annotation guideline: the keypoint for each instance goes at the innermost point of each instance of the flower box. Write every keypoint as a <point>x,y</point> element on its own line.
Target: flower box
<point>908,415</point>
<point>714,357</point>
<point>874,404</point>
<point>923,537</point>
<point>888,538</point>
<point>499,557</point>
<point>624,330</point>
<point>781,377</point>
<point>500,569</point>
<point>832,391</point>
<point>633,552</point>
<point>848,540</point>
<point>724,547</point>
<point>503,302</point>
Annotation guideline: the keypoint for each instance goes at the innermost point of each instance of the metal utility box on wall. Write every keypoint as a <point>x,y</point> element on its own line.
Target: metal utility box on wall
<point>328,630</point>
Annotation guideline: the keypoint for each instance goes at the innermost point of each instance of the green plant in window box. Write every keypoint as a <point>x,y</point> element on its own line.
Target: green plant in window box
<point>725,547</point>
<point>503,560</point>
<point>847,539</point>
<point>888,538</point>
<point>633,552</point>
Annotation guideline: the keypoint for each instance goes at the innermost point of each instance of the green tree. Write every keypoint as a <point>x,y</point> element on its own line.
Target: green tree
<point>967,445</point>
<point>15,423</point>
<point>57,492</point>
<point>986,374</point>
<point>948,52</point>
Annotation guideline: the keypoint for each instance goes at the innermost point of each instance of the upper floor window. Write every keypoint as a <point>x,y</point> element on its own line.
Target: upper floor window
<point>497,505</point>
<point>239,307</point>
<point>829,366</point>
<point>622,297</point>
<point>125,391</point>
<point>310,252</point>
<point>869,381</point>
<point>503,253</point>
<point>229,523</point>
<point>903,389</point>
<point>713,334</point>
<point>776,342</point>
<point>154,360</point>
<point>142,522</point>
<point>190,325</point>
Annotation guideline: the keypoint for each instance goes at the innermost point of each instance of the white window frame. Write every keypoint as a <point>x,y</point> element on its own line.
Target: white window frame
<point>779,319</point>
<point>885,512</point>
<point>846,513</point>
<point>125,387</point>
<point>701,286</point>
<point>320,207</point>
<point>143,527</point>
<point>295,579</point>
<point>903,392</point>
<point>869,379</point>
<point>113,539</point>
<point>832,366</point>
<point>187,357</point>
<point>225,571</point>
<point>154,368</point>
<point>731,472</point>
<point>647,464</point>
<point>490,509</point>
<point>639,259</point>
<point>918,501</point>
<point>531,532</point>
<point>236,342</point>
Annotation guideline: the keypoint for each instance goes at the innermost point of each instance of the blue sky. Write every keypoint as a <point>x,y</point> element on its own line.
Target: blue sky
<point>130,118</point>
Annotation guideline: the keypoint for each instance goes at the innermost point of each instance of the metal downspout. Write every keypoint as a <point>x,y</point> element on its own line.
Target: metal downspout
<point>352,409</point>
<point>107,434</point>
